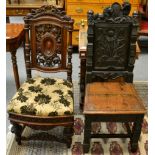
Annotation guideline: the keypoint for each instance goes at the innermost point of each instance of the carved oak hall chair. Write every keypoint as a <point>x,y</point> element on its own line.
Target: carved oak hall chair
<point>43,103</point>
<point>111,55</point>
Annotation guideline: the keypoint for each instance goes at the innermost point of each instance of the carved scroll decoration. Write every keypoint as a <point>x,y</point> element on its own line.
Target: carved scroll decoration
<point>48,10</point>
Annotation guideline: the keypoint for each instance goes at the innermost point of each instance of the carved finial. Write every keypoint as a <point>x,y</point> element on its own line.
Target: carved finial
<point>90,12</point>
<point>136,18</point>
<point>135,14</point>
<point>107,11</point>
<point>126,8</point>
<point>90,17</point>
<point>116,9</point>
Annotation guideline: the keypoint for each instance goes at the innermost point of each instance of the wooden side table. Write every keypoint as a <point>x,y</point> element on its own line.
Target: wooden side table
<point>14,38</point>
<point>82,56</point>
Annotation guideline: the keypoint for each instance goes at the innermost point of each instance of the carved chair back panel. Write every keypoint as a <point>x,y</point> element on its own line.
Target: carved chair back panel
<point>111,46</point>
<point>48,40</point>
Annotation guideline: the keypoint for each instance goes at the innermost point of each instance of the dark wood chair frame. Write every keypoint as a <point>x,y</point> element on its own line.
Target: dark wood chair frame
<point>114,16</point>
<point>45,16</point>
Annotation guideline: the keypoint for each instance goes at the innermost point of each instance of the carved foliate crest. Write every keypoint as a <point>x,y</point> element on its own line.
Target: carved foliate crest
<point>113,14</point>
<point>49,10</point>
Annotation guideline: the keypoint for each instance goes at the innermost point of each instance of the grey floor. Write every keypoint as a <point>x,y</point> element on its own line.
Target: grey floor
<point>140,70</point>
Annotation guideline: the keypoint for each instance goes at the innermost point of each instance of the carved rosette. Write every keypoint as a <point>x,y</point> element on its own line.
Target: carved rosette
<point>48,49</point>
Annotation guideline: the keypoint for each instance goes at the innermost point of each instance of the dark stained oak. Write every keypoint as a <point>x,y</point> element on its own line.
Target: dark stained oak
<point>82,55</point>
<point>14,38</point>
<point>110,56</point>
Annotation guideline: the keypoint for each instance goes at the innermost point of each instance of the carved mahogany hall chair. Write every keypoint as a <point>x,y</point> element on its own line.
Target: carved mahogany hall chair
<point>110,95</point>
<point>42,103</point>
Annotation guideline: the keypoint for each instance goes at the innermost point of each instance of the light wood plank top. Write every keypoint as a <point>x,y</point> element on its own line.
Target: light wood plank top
<point>112,98</point>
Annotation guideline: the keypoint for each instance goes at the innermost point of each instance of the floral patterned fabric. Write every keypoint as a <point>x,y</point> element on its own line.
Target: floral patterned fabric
<point>43,97</point>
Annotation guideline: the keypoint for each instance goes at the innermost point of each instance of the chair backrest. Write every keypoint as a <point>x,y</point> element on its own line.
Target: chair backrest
<point>111,44</point>
<point>48,41</point>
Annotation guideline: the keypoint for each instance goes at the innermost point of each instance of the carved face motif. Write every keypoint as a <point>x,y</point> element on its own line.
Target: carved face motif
<point>110,35</point>
<point>48,45</point>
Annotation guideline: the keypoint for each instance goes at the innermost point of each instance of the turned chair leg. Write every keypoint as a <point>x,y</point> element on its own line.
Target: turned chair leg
<point>17,130</point>
<point>136,131</point>
<point>68,133</point>
<point>87,135</point>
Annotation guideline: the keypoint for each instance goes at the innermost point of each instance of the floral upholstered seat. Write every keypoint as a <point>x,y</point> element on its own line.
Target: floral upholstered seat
<point>43,97</point>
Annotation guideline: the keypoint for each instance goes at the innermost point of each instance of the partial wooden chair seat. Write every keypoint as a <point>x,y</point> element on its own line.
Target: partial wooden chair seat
<point>43,97</point>
<point>112,98</point>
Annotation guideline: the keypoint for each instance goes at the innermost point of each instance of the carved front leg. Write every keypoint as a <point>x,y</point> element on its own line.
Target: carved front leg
<point>17,130</point>
<point>68,133</point>
<point>136,131</point>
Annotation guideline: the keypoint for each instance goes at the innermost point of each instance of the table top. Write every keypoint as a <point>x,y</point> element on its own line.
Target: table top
<point>13,30</point>
<point>14,36</point>
<point>112,98</point>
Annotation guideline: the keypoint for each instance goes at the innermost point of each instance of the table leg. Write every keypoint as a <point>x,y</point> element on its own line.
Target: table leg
<point>7,19</point>
<point>15,69</point>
